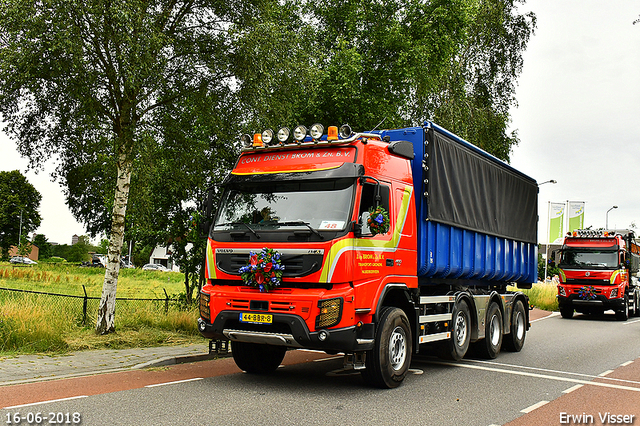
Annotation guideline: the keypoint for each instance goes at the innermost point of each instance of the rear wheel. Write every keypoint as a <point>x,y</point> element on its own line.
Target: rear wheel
<point>256,358</point>
<point>637,312</point>
<point>514,341</point>
<point>387,364</point>
<point>455,348</point>
<point>489,347</point>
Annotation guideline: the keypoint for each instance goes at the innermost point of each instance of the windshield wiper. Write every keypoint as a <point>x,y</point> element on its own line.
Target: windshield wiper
<point>302,223</point>
<point>240,223</point>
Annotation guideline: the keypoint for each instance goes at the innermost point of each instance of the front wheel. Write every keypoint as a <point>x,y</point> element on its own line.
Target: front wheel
<point>566,312</point>
<point>387,364</point>
<point>623,314</point>
<point>255,358</point>
<point>514,341</point>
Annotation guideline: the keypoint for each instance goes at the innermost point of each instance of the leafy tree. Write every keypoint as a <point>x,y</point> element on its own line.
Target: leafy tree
<point>25,247</point>
<point>18,198</point>
<point>95,82</point>
<point>390,64</point>
<point>44,246</point>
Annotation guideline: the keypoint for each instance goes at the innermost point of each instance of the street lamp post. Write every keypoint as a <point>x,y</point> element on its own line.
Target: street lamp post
<point>606,223</point>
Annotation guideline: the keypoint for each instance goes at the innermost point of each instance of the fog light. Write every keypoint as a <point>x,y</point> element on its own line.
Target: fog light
<point>561,291</point>
<point>201,325</point>
<point>614,293</point>
<point>322,336</point>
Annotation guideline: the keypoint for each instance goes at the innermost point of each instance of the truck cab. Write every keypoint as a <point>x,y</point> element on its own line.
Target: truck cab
<point>598,273</point>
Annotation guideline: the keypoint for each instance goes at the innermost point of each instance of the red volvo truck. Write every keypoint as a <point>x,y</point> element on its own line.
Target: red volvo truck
<point>375,245</point>
<point>598,272</point>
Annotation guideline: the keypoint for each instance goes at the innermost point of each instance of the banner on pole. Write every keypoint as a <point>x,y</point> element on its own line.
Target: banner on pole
<point>576,215</point>
<point>556,222</point>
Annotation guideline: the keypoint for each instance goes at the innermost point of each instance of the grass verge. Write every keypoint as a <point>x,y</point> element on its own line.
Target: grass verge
<point>542,296</point>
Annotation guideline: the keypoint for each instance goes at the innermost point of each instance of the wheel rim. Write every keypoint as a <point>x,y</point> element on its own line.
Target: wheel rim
<point>519,320</point>
<point>494,331</point>
<point>397,348</point>
<point>460,329</point>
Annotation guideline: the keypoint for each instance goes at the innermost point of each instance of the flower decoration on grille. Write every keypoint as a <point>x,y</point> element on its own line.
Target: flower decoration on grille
<point>378,220</point>
<point>264,270</point>
<point>587,293</point>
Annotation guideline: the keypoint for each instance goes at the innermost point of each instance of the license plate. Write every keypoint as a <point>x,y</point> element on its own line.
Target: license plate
<point>256,318</point>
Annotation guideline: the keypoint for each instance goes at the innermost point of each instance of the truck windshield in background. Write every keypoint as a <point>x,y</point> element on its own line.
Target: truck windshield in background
<point>589,259</point>
<point>321,205</point>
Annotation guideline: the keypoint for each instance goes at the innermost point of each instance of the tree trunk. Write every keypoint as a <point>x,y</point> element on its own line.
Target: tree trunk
<point>107,309</point>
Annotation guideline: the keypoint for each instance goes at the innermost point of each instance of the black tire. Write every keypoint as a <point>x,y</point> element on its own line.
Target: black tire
<point>489,347</point>
<point>566,312</point>
<point>623,314</point>
<point>255,358</point>
<point>457,346</point>
<point>514,341</point>
<point>637,312</point>
<point>387,364</point>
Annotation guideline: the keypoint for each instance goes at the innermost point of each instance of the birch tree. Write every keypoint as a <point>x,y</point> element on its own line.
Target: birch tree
<point>86,82</point>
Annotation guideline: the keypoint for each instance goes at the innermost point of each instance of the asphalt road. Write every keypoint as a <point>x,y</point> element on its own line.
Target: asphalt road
<point>585,366</point>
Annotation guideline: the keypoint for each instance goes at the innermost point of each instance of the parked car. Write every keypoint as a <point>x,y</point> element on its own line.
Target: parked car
<point>154,267</point>
<point>22,260</point>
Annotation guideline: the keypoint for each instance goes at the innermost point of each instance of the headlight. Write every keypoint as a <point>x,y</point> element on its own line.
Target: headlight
<point>299,133</point>
<point>345,131</point>
<point>316,131</point>
<point>330,312</point>
<point>246,141</point>
<point>283,135</point>
<point>267,136</point>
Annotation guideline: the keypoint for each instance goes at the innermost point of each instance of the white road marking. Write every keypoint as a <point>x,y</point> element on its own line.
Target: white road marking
<point>328,359</point>
<point>572,388</point>
<point>631,322</point>
<point>44,402</point>
<point>605,373</point>
<point>553,314</point>
<point>174,383</point>
<point>540,376</point>
<point>553,371</point>
<point>534,406</point>
<point>624,364</point>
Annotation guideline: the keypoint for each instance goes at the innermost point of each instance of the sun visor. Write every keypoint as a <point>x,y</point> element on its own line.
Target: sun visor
<point>292,161</point>
<point>344,170</point>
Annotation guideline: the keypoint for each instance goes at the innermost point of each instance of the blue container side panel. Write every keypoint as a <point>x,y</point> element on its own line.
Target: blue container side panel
<point>450,252</point>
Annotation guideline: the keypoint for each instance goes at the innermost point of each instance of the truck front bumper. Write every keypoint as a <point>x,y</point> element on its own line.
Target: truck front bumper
<point>600,302</point>
<point>288,330</point>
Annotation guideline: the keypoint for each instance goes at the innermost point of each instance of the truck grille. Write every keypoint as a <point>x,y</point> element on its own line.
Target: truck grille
<point>295,265</point>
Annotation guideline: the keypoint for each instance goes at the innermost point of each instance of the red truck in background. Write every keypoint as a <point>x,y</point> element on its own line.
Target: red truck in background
<point>374,245</point>
<point>598,272</point>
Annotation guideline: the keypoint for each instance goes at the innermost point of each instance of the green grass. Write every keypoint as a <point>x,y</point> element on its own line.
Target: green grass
<point>32,323</point>
<point>543,296</point>
<point>69,279</point>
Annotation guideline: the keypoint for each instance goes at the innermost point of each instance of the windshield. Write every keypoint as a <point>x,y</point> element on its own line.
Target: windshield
<point>589,259</point>
<point>318,205</point>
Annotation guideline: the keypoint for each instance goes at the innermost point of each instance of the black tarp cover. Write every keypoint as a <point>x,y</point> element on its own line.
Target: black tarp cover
<point>478,192</point>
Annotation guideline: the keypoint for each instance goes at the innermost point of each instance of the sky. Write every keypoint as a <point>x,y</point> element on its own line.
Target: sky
<point>578,114</point>
<point>578,117</point>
